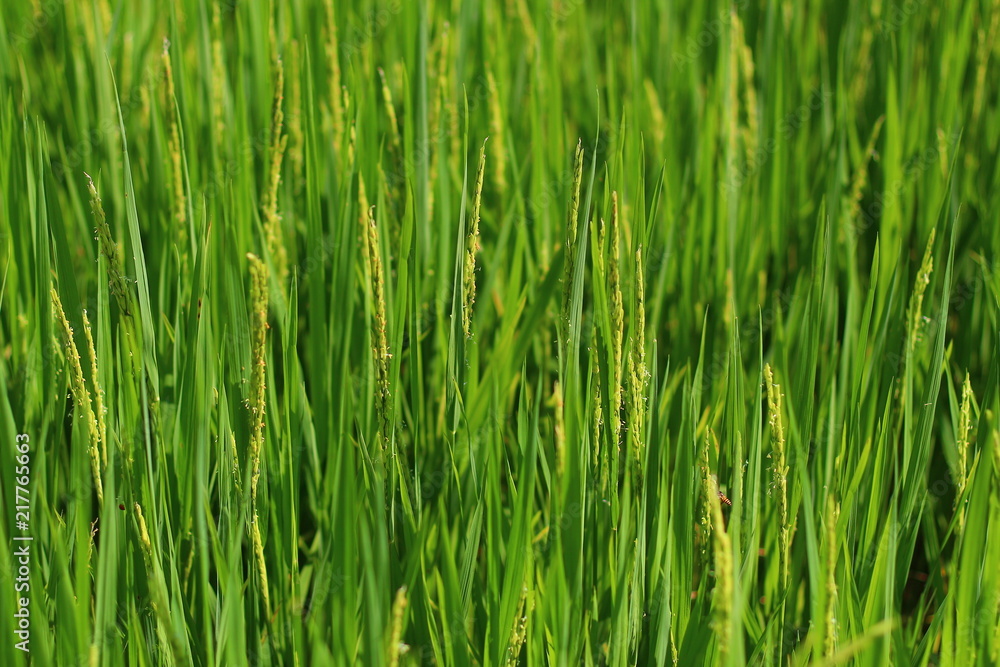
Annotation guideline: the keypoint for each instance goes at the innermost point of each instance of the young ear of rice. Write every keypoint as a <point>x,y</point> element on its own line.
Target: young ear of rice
<point>722,595</point>
<point>396,647</point>
<point>334,85</point>
<point>560,428</point>
<point>379,337</point>
<point>744,56</point>
<point>109,250</point>
<point>617,323</point>
<point>99,409</point>
<point>637,370</point>
<point>159,598</point>
<point>497,131</point>
<point>176,159</point>
<point>258,365</point>
<point>519,633</point>
<point>830,519</point>
<point>258,344</point>
<point>81,395</point>
<point>779,470</point>
<point>709,487</point>
<point>218,77</point>
<point>273,231</point>
<point>572,222</point>
<point>914,312</point>
<point>962,441</point>
<point>296,135</point>
<point>472,246</point>
<point>779,486</point>
<point>597,417</point>
<point>390,110</point>
<point>861,175</point>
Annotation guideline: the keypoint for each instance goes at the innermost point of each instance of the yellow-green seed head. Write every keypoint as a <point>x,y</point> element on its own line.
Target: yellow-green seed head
<point>472,246</point>
<point>81,395</point>
<point>617,322</point>
<point>258,342</point>
<point>272,220</point>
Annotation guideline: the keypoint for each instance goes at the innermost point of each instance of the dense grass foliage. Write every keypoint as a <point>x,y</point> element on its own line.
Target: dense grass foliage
<point>506,332</point>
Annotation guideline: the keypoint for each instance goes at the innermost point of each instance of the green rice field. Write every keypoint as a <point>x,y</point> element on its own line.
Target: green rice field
<point>499,332</point>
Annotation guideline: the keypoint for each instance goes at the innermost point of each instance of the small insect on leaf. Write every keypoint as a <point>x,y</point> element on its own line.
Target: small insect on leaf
<point>724,499</point>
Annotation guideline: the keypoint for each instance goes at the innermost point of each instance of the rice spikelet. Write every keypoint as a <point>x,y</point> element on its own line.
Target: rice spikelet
<point>258,550</point>
<point>296,138</point>
<point>729,111</point>
<point>722,596</point>
<point>333,65</point>
<point>144,541</point>
<point>560,428</point>
<point>571,230</point>
<point>779,468</point>
<point>942,151</point>
<point>390,110</point>
<point>746,67</point>
<point>986,39</point>
<point>861,68</point>
<point>436,113</point>
<point>435,58</point>
<point>472,246</point>
<point>380,343</point>
<point>258,342</point>
<point>962,444</point>
<point>637,369</point>
<point>235,455</point>
<point>640,314</point>
<point>497,130</point>
<point>452,96</point>
<point>861,175</point>
<point>530,34</point>
<point>272,220</point>
<point>598,416</point>
<point>658,117</point>
<point>218,76</point>
<point>352,140</point>
<point>81,395</point>
<point>832,550</point>
<point>709,488</point>
<point>174,146</point>
<point>102,427</point>
<point>363,208</point>
<point>116,274</point>
<point>914,312</point>
<point>519,633</point>
<point>128,61</point>
<point>617,323</point>
<point>396,646</point>
<point>157,585</point>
